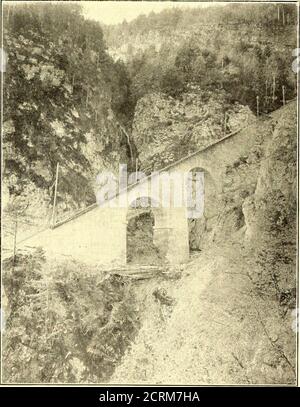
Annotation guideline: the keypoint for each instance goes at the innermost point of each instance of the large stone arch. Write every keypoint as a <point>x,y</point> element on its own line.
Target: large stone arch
<point>144,219</point>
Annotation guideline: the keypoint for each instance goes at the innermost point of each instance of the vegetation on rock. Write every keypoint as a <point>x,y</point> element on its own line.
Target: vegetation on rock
<point>63,97</point>
<point>65,323</point>
<point>156,89</point>
<point>244,49</point>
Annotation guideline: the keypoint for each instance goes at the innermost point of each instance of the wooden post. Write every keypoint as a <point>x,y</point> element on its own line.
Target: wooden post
<point>225,123</point>
<point>15,239</point>
<point>257,106</point>
<point>274,87</point>
<point>283,94</point>
<point>266,96</point>
<point>55,196</point>
<point>136,169</point>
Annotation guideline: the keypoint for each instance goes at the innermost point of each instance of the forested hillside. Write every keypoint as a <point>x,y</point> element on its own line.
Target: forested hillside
<point>148,92</point>
<point>196,73</point>
<point>244,49</point>
<point>64,99</point>
<point>71,88</point>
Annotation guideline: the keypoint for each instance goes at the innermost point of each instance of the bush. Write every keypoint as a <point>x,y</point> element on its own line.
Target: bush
<point>65,322</point>
<point>173,83</point>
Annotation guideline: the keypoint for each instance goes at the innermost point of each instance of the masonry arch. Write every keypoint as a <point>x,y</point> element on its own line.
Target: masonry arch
<point>202,214</point>
<point>142,245</point>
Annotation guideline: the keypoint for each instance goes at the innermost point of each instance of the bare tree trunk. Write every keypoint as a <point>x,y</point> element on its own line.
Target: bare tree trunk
<point>283,94</point>
<point>274,87</point>
<point>55,196</point>
<point>15,239</point>
<point>8,13</point>
<point>136,170</point>
<point>225,123</point>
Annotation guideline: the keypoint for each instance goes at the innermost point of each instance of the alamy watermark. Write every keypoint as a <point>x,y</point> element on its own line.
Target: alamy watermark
<point>160,189</point>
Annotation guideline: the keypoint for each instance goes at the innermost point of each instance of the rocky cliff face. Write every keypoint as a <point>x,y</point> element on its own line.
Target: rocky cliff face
<point>166,129</point>
<point>258,201</point>
<point>240,290</point>
<point>273,204</point>
<point>270,212</point>
<point>100,150</point>
<point>61,106</point>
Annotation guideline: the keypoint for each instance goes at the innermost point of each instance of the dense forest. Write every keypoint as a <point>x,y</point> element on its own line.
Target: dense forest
<point>194,70</point>
<point>244,49</point>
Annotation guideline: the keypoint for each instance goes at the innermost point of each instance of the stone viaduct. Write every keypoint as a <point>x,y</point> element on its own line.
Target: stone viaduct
<point>98,233</point>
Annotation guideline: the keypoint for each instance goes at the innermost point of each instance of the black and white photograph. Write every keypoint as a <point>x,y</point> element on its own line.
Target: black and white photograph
<point>149,194</point>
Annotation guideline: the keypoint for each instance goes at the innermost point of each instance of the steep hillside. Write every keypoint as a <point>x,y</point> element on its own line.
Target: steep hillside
<point>67,101</point>
<point>65,322</point>
<point>212,328</point>
<point>270,212</point>
<point>196,74</point>
<point>63,104</point>
<point>244,49</point>
<point>166,129</point>
<point>230,318</point>
<point>187,78</point>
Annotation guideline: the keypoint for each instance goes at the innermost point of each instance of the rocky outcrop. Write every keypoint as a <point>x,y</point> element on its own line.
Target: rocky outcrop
<point>258,198</point>
<point>272,207</point>
<point>166,129</point>
<point>270,212</point>
<point>227,291</point>
<point>60,108</point>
